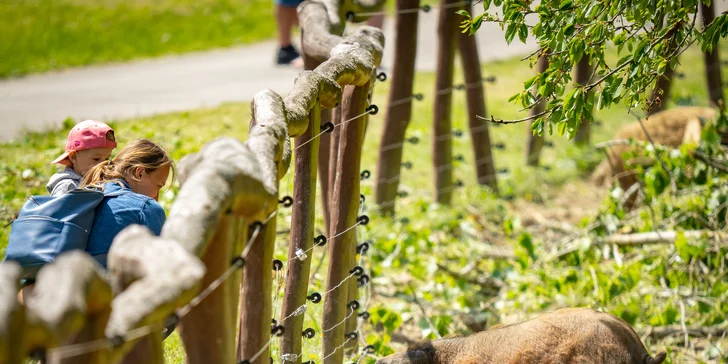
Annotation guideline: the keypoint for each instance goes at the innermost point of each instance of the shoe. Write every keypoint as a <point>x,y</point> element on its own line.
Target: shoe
<point>286,55</point>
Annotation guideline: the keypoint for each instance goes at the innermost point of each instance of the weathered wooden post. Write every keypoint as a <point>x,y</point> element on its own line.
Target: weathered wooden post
<point>535,142</point>
<point>12,316</point>
<point>712,59</point>
<point>345,209</point>
<point>302,232</point>
<point>583,77</point>
<point>447,28</point>
<point>479,134</point>
<point>324,154</point>
<point>399,113</point>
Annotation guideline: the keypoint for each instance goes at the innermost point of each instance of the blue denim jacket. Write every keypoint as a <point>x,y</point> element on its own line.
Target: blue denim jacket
<point>116,213</point>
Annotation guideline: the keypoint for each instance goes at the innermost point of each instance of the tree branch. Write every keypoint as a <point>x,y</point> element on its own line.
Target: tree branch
<point>660,237</point>
<point>501,121</point>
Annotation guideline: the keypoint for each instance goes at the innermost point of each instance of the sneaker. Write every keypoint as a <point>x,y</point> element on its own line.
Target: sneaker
<point>286,55</point>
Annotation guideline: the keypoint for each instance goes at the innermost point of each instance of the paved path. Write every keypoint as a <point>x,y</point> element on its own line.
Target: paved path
<point>184,82</point>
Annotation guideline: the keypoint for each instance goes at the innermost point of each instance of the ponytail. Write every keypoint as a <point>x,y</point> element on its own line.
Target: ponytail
<point>99,174</point>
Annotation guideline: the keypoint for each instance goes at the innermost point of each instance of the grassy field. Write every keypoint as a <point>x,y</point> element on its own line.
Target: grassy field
<point>404,254</point>
<point>45,35</point>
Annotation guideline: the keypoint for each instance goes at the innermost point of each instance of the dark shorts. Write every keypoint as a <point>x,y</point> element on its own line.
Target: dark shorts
<point>289,3</point>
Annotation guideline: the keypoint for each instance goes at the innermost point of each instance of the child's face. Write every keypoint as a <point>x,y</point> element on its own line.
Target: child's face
<point>84,160</point>
<point>149,184</point>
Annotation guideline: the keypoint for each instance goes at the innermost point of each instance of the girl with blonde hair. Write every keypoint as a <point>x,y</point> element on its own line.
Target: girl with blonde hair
<point>139,171</point>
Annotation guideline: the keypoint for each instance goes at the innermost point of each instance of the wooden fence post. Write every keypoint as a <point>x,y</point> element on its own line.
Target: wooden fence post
<point>302,233</point>
<point>213,320</point>
<point>479,134</point>
<point>712,59</point>
<point>12,316</point>
<point>535,143</point>
<point>345,203</point>
<point>324,154</point>
<point>333,162</point>
<point>256,310</point>
<point>399,113</point>
<point>447,28</point>
<point>583,77</point>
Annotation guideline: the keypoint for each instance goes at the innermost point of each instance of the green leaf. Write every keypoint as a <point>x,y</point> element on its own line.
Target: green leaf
<point>565,5</point>
<point>523,32</point>
<point>510,32</point>
<point>463,13</point>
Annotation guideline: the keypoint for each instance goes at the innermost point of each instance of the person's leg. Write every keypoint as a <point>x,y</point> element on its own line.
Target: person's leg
<point>287,18</point>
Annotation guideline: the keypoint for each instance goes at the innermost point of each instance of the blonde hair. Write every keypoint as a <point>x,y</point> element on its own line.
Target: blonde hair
<point>135,154</point>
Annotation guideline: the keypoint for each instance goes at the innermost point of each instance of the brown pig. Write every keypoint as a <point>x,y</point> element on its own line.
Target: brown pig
<point>572,335</point>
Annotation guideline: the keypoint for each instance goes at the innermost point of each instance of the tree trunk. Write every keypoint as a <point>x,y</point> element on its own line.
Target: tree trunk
<point>583,77</point>
<point>447,28</point>
<point>399,113</point>
<point>712,59</point>
<point>535,142</point>
<point>479,134</point>
<point>345,207</point>
<point>302,232</point>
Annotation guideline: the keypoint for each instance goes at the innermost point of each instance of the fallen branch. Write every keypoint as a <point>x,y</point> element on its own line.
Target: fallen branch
<point>660,237</point>
<point>661,332</point>
<point>710,161</point>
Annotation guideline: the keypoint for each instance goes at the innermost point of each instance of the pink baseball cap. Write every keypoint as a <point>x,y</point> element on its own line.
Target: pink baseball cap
<point>87,134</point>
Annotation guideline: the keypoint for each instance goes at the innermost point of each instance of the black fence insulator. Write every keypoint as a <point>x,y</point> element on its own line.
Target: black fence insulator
<point>328,127</point>
<point>460,158</point>
<point>314,297</point>
<point>238,262</point>
<point>228,211</point>
<point>117,341</point>
<point>357,271</point>
<point>362,199</point>
<point>362,248</point>
<point>277,265</point>
<point>277,330</point>
<point>402,194</point>
<point>459,183</point>
<point>491,79</point>
<point>286,201</point>
<point>500,146</point>
<point>419,97</point>
<point>365,174</point>
<point>363,220</point>
<point>460,87</point>
<point>407,165</point>
<point>426,8</point>
<point>243,361</point>
<point>38,354</point>
<point>548,143</point>
<point>365,315</point>
<point>369,349</point>
<point>352,335</point>
<point>309,333</point>
<point>372,109</point>
<point>309,362</point>
<point>597,122</point>
<point>382,76</point>
<point>363,280</point>
<point>546,168</point>
<point>413,140</point>
<point>457,133</point>
<point>502,170</point>
<point>350,16</point>
<point>354,305</point>
<point>273,323</point>
<point>256,225</point>
<point>509,197</point>
<point>320,240</point>
<point>271,360</point>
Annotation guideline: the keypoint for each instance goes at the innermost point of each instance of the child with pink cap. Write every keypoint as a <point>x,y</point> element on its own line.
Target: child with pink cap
<point>89,143</point>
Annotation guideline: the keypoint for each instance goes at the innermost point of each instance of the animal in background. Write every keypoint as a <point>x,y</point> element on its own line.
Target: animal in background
<point>566,336</point>
<point>671,127</point>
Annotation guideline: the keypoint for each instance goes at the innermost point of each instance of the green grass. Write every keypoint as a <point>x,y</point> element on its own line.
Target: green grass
<point>45,35</point>
<point>24,170</point>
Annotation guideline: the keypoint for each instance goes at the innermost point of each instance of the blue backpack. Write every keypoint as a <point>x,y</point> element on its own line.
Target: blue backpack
<point>50,225</point>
